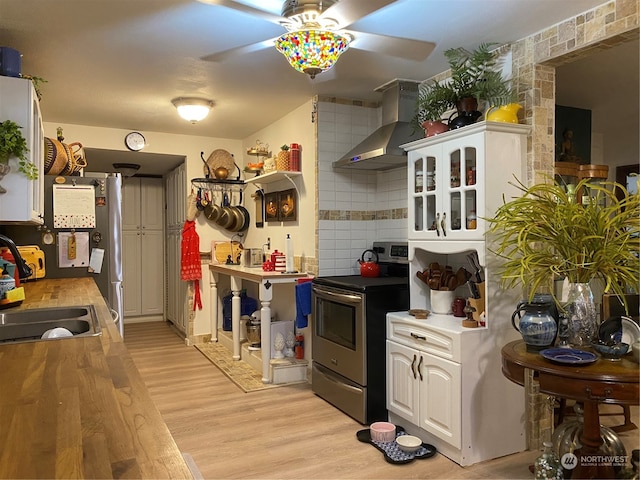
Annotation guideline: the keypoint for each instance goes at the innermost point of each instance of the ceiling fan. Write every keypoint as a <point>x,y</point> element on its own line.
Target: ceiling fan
<point>316,33</point>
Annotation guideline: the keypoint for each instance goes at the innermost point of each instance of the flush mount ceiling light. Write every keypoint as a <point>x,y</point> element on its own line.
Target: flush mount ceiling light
<point>126,169</point>
<point>312,51</point>
<point>192,109</point>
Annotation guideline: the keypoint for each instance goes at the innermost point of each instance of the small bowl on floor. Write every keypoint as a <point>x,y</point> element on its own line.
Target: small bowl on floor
<point>383,432</point>
<point>408,443</point>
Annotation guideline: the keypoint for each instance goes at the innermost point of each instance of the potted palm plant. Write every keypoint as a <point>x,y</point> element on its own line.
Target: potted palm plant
<point>13,144</point>
<point>475,77</point>
<point>433,101</point>
<point>547,233</point>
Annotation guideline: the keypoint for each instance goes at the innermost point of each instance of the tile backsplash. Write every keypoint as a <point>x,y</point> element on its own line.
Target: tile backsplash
<point>355,206</point>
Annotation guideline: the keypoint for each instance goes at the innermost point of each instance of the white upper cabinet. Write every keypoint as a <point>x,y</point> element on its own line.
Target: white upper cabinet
<point>456,178</point>
<point>23,199</point>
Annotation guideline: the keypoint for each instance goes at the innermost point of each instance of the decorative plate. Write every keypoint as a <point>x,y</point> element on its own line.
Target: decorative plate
<point>630,331</point>
<point>569,356</point>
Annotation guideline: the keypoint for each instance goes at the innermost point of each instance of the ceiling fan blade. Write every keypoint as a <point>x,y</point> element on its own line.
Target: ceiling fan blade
<point>242,7</point>
<point>407,48</point>
<point>346,12</point>
<point>237,51</point>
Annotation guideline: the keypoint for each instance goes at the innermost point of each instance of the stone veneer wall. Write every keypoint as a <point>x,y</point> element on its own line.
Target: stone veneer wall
<point>534,61</point>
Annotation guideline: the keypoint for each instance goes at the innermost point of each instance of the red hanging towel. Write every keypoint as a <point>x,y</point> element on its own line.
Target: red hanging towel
<point>190,268</point>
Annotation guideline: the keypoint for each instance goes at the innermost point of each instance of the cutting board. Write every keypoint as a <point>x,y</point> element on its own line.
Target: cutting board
<point>221,250</point>
<point>34,258</point>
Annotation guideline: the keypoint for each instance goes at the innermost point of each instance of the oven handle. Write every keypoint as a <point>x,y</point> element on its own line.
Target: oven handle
<point>339,384</point>
<point>338,296</point>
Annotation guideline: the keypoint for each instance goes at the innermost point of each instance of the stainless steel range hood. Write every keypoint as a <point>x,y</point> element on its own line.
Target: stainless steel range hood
<point>380,150</point>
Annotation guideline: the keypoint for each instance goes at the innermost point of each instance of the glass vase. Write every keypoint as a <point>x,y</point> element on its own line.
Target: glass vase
<point>547,466</point>
<point>580,311</point>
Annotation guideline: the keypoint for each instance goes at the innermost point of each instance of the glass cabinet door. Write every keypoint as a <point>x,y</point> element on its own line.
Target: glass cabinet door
<point>461,195</point>
<point>425,203</point>
<point>445,199</point>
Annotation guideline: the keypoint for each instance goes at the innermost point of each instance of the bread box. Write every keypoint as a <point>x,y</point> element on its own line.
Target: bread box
<point>34,258</point>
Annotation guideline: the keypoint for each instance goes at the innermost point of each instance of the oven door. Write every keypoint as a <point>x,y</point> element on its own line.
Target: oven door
<point>338,340</point>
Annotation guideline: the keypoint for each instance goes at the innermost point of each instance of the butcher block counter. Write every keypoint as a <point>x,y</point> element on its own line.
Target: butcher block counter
<point>77,407</point>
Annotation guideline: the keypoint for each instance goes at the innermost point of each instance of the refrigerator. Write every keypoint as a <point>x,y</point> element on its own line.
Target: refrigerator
<point>82,233</point>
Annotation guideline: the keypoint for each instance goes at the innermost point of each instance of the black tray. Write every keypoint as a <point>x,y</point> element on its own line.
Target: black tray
<point>391,451</point>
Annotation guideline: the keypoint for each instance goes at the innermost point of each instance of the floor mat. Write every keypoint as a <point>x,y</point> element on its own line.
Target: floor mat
<point>239,372</point>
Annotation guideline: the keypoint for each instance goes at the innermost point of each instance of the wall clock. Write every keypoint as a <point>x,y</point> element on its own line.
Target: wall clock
<point>134,141</point>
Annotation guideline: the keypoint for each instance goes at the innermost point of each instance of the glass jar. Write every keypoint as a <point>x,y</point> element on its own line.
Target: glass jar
<point>294,157</point>
<point>419,181</point>
<point>547,466</point>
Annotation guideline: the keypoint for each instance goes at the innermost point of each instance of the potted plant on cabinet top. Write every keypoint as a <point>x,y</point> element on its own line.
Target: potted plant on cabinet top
<point>13,144</point>
<point>475,77</point>
<point>433,101</point>
<point>546,233</point>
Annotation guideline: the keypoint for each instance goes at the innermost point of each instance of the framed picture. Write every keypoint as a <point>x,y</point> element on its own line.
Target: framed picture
<point>271,207</point>
<point>288,205</point>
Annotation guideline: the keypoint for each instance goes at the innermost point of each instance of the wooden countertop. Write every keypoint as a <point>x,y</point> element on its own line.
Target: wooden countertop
<point>256,274</point>
<point>78,408</point>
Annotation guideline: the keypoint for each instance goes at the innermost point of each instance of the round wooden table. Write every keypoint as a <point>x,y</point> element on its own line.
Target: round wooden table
<point>603,381</point>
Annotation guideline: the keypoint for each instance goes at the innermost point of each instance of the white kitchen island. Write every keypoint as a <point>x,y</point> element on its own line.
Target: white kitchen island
<point>265,281</point>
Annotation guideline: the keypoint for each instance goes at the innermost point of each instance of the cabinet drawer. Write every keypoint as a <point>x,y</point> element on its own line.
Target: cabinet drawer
<point>425,338</point>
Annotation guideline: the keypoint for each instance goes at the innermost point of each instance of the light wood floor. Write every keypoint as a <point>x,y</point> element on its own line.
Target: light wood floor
<point>284,433</point>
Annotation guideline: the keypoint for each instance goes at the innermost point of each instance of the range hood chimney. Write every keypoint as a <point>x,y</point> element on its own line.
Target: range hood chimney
<point>381,150</point>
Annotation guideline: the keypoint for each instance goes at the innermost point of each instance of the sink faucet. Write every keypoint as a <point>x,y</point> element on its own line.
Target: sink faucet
<point>24,271</point>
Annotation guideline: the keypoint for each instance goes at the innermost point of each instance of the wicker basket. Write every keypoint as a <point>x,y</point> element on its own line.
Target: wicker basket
<point>220,158</point>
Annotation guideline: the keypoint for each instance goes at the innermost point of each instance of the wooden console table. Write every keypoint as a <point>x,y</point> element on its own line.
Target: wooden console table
<point>265,281</point>
<point>601,382</point>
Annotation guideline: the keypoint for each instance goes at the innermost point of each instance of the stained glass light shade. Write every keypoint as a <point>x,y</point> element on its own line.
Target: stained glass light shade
<point>312,51</point>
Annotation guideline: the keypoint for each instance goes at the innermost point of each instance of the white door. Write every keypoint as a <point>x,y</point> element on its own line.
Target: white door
<point>131,282</point>
<point>152,267</point>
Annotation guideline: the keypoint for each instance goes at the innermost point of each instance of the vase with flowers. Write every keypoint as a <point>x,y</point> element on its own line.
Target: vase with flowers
<point>548,233</point>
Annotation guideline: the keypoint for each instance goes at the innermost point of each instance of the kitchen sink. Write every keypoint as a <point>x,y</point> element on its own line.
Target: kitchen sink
<point>30,325</point>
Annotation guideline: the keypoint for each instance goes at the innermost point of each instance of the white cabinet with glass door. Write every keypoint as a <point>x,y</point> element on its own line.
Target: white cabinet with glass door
<point>455,178</point>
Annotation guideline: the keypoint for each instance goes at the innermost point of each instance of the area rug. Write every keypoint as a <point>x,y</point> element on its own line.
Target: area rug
<point>239,372</point>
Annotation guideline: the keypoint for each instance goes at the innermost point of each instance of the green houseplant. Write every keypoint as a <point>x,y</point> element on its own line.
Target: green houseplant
<point>475,77</point>
<point>433,101</point>
<point>546,233</point>
<point>13,144</point>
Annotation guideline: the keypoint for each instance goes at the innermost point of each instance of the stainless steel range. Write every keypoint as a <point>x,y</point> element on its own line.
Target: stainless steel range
<point>348,338</point>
